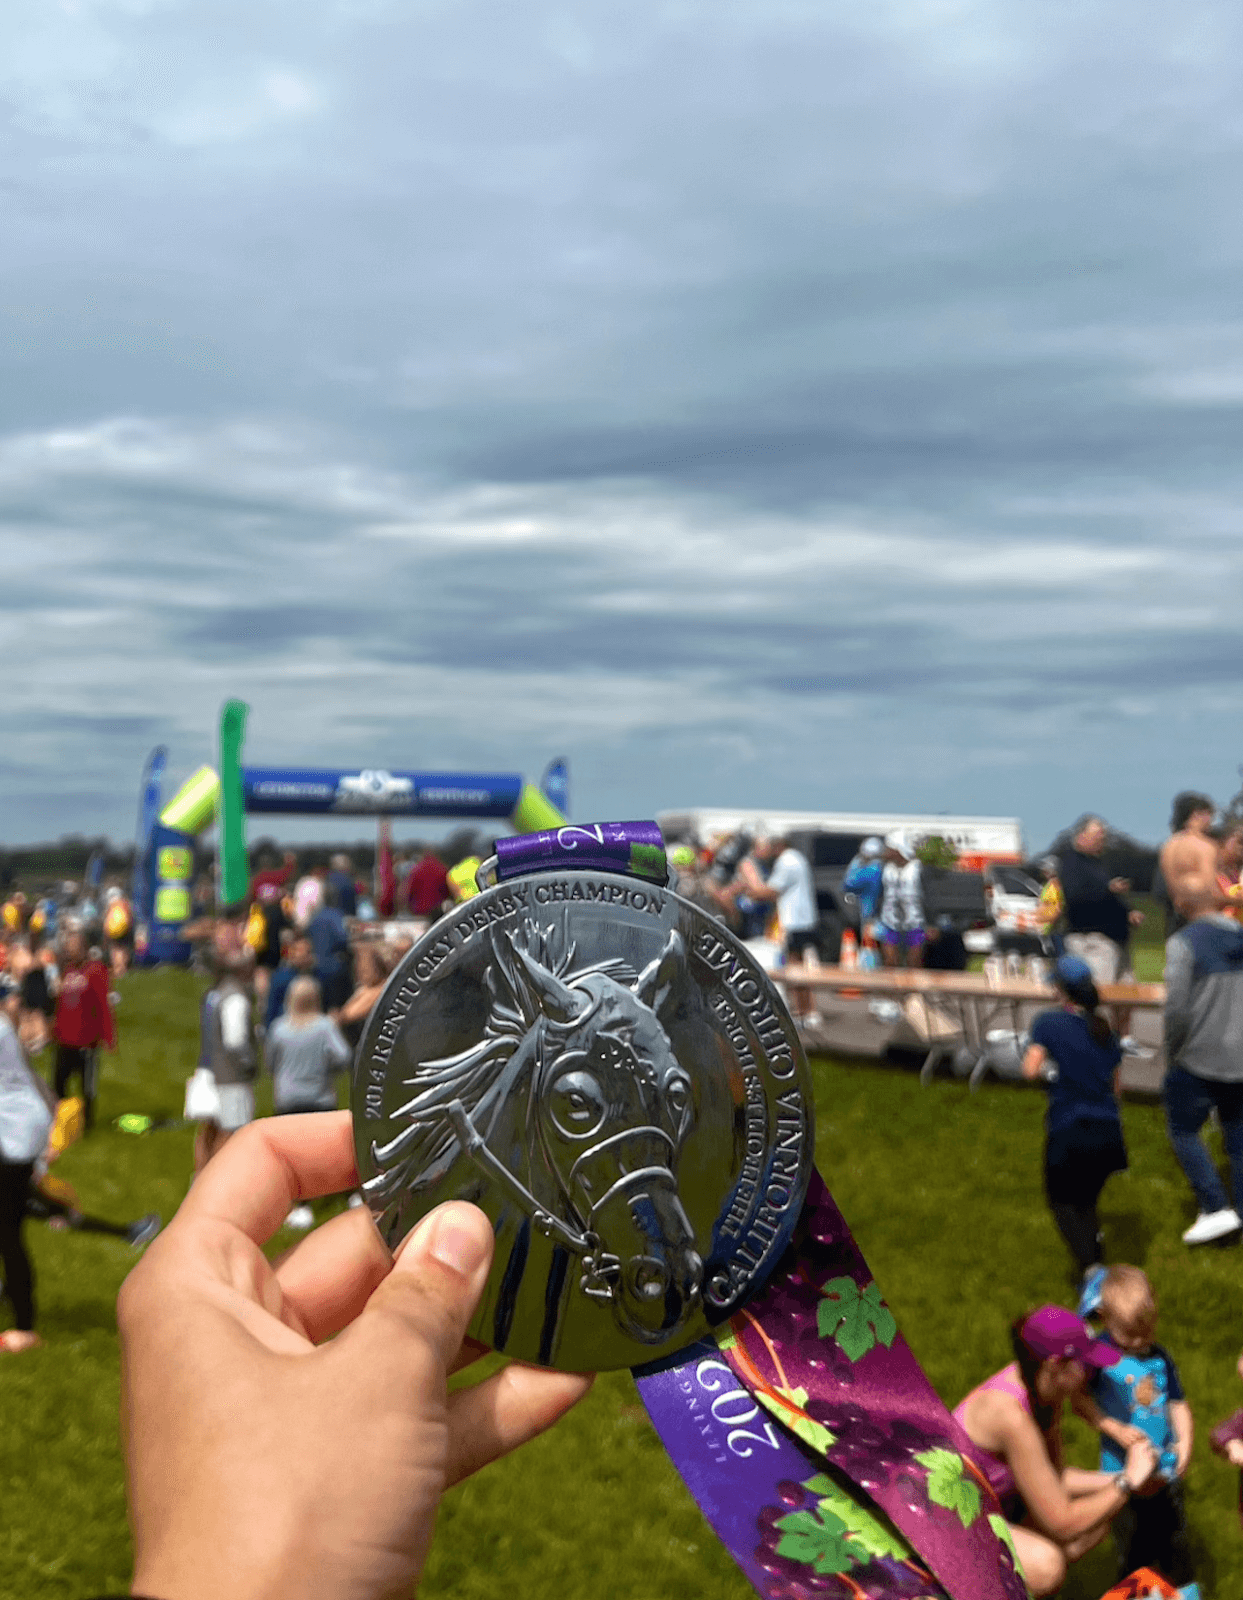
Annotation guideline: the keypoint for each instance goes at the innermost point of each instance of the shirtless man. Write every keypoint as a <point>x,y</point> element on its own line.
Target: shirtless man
<point>1188,859</point>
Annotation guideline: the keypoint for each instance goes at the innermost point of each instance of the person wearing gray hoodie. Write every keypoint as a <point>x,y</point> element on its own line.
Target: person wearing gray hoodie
<point>25,1122</point>
<point>1204,1049</point>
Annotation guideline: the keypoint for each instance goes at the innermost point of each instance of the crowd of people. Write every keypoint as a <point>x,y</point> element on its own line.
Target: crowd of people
<point>292,986</point>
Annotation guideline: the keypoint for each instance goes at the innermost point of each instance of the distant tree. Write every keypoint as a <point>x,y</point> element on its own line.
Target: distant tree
<point>934,850</point>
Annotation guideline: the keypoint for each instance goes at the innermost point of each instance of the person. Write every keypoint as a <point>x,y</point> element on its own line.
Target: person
<point>789,887</point>
<point>945,949</point>
<point>1141,1396</point>
<point>297,956</point>
<point>427,887</point>
<point>330,940</point>
<point>25,1122</point>
<point>1051,907</point>
<point>309,1395</point>
<point>118,927</point>
<point>342,882</point>
<point>1013,1429</point>
<point>1077,1054</point>
<point>1098,920</point>
<point>82,1021</point>
<point>304,1052</point>
<point>226,1054</point>
<point>1230,868</point>
<point>1203,1039</point>
<point>373,964</point>
<point>902,906</point>
<point>274,877</point>
<point>265,924</point>
<point>308,896</point>
<point>1188,859</point>
<point>865,879</point>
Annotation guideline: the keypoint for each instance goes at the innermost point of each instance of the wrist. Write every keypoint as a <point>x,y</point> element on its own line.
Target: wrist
<point>1123,1485</point>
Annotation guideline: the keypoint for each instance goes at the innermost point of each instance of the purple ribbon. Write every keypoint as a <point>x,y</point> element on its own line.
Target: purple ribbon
<point>821,1352</point>
<point>636,849</point>
<point>786,1522</point>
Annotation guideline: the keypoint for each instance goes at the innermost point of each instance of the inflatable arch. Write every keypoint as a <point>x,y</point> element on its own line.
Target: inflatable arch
<point>165,859</point>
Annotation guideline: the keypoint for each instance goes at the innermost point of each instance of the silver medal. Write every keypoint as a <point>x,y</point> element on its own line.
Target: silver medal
<point>609,1074</point>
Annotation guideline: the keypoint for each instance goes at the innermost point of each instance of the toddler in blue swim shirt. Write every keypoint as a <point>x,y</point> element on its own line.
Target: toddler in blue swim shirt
<point>1141,1394</point>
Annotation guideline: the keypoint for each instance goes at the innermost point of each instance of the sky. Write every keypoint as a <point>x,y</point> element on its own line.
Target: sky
<point>796,405</point>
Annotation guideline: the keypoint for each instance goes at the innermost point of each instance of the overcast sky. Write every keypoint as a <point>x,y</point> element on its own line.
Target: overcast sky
<point>806,405</point>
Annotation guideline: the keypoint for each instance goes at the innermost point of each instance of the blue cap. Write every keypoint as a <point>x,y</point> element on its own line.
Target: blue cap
<point>1071,971</point>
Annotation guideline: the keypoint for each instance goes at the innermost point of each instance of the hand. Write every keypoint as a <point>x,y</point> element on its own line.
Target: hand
<point>1234,1452</point>
<point>1135,918</point>
<point>264,1461</point>
<point>1182,1457</point>
<point>1125,1435</point>
<point>1119,885</point>
<point>1141,1462</point>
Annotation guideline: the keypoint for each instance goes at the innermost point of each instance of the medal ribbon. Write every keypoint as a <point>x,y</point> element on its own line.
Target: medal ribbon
<point>634,849</point>
<point>807,1431</point>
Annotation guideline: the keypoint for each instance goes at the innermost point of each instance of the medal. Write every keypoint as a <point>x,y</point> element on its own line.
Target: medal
<point>609,1074</point>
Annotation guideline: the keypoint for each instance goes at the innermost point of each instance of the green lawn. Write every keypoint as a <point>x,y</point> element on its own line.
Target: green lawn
<point>942,1188</point>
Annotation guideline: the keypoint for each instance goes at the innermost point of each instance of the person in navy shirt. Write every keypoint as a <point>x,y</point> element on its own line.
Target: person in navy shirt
<point>1077,1054</point>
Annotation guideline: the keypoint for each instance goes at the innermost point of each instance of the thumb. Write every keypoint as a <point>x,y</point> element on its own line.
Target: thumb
<point>436,1282</point>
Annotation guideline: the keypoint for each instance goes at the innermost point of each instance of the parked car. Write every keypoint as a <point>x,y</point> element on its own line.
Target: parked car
<point>1014,909</point>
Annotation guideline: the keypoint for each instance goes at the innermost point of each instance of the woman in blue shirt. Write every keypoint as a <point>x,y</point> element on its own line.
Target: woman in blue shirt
<point>1077,1054</point>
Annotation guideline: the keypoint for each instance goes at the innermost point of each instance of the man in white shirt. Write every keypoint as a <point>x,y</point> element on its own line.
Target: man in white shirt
<point>789,886</point>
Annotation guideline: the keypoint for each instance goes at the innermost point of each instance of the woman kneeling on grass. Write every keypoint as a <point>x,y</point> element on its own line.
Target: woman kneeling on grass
<point>1014,1420</point>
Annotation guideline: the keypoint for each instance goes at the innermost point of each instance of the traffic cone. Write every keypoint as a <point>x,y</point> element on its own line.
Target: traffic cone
<point>849,962</point>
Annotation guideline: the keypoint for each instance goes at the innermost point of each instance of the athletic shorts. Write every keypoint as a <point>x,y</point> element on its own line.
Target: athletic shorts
<point>1079,1158</point>
<point>800,939</point>
<point>902,938</point>
<point>237,1105</point>
<point>1109,962</point>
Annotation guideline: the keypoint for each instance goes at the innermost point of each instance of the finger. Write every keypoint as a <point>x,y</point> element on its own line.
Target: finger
<point>430,1295</point>
<point>268,1167</point>
<point>469,1353</point>
<point>506,1410</point>
<point>328,1277</point>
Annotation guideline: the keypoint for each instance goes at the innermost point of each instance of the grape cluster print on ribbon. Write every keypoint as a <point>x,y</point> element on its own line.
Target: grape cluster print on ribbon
<point>821,1351</point>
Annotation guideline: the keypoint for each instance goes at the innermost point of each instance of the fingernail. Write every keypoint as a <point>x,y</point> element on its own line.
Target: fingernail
<point>458,1237</point>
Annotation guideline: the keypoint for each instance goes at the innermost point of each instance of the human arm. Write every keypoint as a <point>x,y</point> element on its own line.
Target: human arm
<point>1034,1058</point>
<point>1123,1434</point>
<point>267,1458</point>
<point>338,1051</point>
<point>1054,1509</point>
<point>360,1003</point>
<point>1184,1433</point>
<point>1179,970</point>
<point>747,880</point>
<point>97,982</point>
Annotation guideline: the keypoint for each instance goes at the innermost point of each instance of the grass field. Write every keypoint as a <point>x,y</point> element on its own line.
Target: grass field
<point>941,1187</point>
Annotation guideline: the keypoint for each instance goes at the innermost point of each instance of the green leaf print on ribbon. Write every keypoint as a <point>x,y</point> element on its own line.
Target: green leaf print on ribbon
<point>948,1487</point>
<point>817,1539</point>
<point>858,1319</point>
<point>872,1533</point>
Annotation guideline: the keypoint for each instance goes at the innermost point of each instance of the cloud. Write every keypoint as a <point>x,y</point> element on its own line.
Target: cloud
<point>800,403</point>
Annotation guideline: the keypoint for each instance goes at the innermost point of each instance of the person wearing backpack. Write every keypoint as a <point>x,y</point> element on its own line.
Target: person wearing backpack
<point>25,1120</point>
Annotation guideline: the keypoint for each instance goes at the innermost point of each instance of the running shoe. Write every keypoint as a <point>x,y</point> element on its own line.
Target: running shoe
<point>1212,1225</point>
<point>301,1217</point>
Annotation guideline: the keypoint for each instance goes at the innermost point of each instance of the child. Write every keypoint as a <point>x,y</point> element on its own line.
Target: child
<point>305,1051</point>
<point>1141,1395</point>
